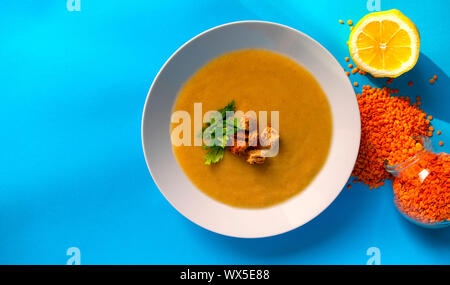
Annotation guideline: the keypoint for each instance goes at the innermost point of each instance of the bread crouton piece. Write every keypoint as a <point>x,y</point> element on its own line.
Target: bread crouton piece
<point>254,156</point>
<point>269,136</point>
<point>240,143</point>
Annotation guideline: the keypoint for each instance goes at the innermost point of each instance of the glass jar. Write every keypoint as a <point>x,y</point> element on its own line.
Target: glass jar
<point>421,186</point>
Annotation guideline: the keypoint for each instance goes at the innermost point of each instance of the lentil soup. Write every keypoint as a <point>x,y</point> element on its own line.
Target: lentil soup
<point>259,80</point>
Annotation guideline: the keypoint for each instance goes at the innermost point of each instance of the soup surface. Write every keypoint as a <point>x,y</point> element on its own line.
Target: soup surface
<point>258,80</point>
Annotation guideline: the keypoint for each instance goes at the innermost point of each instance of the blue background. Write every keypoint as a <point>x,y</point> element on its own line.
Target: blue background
<point>72,170</point>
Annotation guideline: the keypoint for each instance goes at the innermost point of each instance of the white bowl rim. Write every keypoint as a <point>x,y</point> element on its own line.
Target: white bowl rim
<point>239,235</point>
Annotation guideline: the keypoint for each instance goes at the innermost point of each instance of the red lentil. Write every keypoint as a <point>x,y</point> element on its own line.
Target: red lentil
<point>388,124</point>
<point>425,200</point>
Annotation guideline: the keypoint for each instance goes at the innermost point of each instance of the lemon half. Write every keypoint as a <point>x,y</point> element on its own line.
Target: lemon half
<point>385,44</point>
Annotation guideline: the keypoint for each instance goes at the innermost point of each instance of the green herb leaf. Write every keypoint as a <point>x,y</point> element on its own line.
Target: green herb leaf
<point>216,152</point>
<point>214,155</point>
<point>229,107</point>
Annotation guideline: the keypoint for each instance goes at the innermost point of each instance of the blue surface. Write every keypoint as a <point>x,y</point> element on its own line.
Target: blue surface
<point>72,172</point>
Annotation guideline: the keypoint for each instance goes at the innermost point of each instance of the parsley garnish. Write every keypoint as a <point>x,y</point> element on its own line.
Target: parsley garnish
<point>214,155</point>
<point>217,148</point>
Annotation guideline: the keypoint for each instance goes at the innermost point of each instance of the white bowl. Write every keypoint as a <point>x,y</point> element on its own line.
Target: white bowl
<point>216,216</point>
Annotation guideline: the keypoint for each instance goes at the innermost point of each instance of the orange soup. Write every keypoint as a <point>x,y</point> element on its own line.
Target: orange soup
<point>259,80</point>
